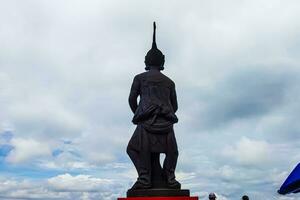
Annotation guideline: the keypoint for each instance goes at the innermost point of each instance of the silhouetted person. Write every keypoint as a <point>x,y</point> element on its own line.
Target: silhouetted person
<point>245,197</point>
<point>212,196</point>
<point>154,116</point>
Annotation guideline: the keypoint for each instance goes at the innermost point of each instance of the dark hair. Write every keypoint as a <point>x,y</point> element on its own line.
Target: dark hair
<point>245,197</point>
<point>154,57</point>
<point>212,196</point>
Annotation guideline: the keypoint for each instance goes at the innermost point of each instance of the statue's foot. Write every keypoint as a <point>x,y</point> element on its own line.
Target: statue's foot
<point>139,185</point>
<point>174,184</point>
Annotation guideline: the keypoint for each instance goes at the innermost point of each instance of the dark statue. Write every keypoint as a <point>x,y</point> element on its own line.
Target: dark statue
<point>154,116</point>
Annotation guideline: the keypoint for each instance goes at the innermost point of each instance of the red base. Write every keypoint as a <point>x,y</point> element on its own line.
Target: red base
<point>159,198</point>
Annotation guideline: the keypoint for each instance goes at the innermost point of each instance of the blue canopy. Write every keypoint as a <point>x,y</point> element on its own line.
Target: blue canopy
<point>292,183</point>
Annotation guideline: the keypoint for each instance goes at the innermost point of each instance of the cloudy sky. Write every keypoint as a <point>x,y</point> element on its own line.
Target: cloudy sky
<point>65,72</point>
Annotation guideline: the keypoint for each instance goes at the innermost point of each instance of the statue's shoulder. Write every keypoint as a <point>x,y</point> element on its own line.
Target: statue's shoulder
<point>155,76</point>
<point>169,80</point>
<point>140,75</point>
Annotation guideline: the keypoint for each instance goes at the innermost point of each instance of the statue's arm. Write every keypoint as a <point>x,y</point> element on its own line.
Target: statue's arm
<point>174,98</point>
<point>134,93</point>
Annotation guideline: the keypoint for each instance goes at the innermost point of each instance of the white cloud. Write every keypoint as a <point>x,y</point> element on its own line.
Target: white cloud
<point>226,172</point>
<point>64,186</point>
<point>66,68</point>
<point>79,183</point>
<point>249,152</point>
<point>25,150</point>
<point>44,114</point>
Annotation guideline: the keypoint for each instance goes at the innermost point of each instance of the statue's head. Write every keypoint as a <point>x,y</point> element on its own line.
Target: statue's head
<point>154,57</point>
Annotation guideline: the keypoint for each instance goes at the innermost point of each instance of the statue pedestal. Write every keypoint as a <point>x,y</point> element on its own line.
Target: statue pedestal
<point>159,198</point>
<point>158,194</point>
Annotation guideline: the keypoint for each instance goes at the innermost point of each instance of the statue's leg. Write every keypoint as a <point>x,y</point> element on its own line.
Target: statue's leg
<point>133,148</point>
<point>145,158</point>
<point>134,156</point>
<point>139,152</point>
<point>170,161</point>
<point>144,176</point>
<point>157,175</point>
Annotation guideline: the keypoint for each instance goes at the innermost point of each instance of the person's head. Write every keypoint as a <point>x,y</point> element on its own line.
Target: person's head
<point>154,57</point>
<point>245,197</point>
<point>212,196</point>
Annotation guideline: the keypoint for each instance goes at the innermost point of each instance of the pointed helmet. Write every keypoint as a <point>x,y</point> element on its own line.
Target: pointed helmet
<point>154,57</point>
